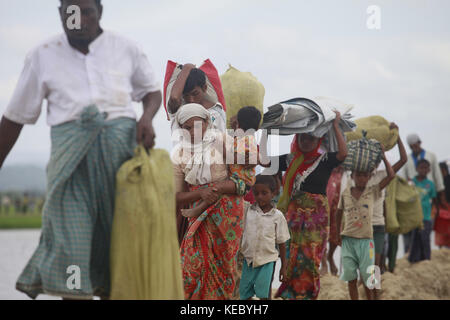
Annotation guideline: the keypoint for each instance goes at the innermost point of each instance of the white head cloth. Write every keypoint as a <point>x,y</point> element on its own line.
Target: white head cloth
<point>412,139</point>
<point>196,157</point>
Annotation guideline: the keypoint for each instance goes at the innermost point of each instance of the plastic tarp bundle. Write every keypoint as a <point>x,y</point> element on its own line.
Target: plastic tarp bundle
<point>377,128</point>
<point>241,89</point>
<point>302,115</point>
<point>145,256</point>
<point>364,155</point>
<point>403,207</point>
<point>214,90</point>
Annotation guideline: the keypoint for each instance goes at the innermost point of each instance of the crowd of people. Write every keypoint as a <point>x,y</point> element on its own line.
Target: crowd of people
<point>233,225</point>
<point>21,203</point>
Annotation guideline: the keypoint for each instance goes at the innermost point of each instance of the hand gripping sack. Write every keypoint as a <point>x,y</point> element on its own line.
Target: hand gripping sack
<point>377,128</point>
<point>241,89</point>
<point>145,257</point>
<point>214,87</point>
<point>364,155</point>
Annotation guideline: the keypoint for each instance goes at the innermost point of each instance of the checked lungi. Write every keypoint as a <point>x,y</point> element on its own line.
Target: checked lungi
<point>78,212</point>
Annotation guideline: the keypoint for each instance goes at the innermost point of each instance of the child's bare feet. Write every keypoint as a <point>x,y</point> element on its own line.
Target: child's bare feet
<point>188,213</point>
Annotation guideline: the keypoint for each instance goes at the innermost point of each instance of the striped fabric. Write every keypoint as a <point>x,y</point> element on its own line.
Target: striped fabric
<point>78,213</point>
<point>364,155</point>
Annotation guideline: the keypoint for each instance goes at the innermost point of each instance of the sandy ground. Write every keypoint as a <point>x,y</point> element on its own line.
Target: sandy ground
<point>425,280</point>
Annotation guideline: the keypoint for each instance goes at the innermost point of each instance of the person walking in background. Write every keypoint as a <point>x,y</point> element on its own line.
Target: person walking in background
<point>446,178</point>
<point>379,212</point>
<point>89,77</point>
<point>420,241</point>
<point>333,194</point>
<point>442,220</point>
<point>410,171</point>
<point>305,204</point>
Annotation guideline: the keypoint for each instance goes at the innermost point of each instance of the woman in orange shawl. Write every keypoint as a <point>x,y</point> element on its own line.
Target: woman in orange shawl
<point>305,205</point>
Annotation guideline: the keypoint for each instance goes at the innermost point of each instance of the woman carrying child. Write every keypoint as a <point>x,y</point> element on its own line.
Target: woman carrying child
<point>209,248</point>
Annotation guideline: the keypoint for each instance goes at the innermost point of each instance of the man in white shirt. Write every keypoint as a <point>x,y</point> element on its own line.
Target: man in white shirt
<point>89,78</point>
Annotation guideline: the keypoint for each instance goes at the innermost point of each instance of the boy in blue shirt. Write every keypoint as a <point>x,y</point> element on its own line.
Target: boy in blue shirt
<point>421,242</point>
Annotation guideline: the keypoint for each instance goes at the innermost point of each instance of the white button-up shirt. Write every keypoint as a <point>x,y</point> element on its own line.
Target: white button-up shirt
<point>114,73</point>
<point>262,231</point>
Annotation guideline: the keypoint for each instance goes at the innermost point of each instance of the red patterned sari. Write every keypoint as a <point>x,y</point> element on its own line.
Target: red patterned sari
<point>209,249</point>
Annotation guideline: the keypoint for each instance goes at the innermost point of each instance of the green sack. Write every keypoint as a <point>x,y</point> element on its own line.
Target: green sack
<point>363,155</point>
<point>241,89</point>
<point>145,258</point>
<point>377,128</point>
<point>403,207</point>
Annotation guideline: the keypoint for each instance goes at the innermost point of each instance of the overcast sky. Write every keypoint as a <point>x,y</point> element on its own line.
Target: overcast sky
<point>295,48</point>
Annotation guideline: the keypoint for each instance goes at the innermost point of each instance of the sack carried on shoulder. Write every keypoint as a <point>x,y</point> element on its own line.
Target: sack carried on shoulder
<point>241,89</point>
<point>377,128</point>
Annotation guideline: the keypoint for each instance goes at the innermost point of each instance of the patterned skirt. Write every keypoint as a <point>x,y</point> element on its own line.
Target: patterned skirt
<point>308,220</point>
<point>209,250</point>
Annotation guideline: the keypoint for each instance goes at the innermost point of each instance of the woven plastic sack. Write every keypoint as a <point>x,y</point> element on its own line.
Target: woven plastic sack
<point>364,155</point>
<point>214,91</point>
<point>377,128</point>
<point>241,89</point>
<point>403,207</point>
<point>145,258</point>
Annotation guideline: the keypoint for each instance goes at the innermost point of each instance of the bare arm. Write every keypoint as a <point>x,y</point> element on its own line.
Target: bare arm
<point>209,195</point>
<point>390,173</point>
<point>9,132</point>
<point>145,133</point>
<point>177,90</point>
<point>401,148</point>
<point>342,145</point>
<point>225,187</point>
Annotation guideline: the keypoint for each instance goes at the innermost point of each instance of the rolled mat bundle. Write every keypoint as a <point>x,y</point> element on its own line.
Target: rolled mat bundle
<point>377,128</point>
<point>364,155</point>
<point>303,115</point>
<point>241,89</point>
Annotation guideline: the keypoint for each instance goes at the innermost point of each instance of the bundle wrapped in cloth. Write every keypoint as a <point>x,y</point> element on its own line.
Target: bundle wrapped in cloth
<point>377,128</point>
<point>302,115</point>
<point>241,89</point>
<point>364,155</point>
<point>145,256</point>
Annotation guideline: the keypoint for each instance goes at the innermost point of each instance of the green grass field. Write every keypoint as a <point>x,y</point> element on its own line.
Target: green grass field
<point>17,221</point>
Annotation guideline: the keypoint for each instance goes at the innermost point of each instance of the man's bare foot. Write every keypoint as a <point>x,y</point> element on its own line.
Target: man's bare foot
<point>188,213</point>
